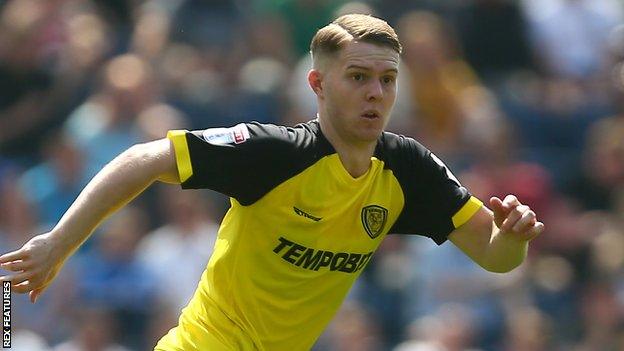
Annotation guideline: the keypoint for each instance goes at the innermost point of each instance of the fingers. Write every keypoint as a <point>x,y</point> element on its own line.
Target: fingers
<point>536,230</point>
<point>34,295</point>
<point>510,202</point>
<point>34,266</point>
<point>502,208</point>
<point>21,282</point>
<point>24,287</point>
<point>496,205</point>
<point>513,217</point>
<point>13,256</point>
<point>522,221</point>
<point>24,282</point>
<point>525,222</point>
<point>16,262</point>
<point>15,266</point>
<point>17,278</point>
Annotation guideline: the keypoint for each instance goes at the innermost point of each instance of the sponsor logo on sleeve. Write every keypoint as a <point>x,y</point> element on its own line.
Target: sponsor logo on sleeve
<point>223,136</point>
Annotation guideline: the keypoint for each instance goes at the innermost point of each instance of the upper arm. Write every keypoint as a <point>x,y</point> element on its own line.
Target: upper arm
<point>158,158</point>
<point>435,201</point>
<point>169,171</point>
<point>474,235</point>
<point>244,162</point>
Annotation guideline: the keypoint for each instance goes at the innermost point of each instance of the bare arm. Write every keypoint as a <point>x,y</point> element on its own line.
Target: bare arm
<point>120,181</point>
<point>113,187</point>
<point>498,239</point>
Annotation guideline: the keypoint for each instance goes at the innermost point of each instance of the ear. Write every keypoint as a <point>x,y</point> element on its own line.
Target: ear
<point>315,79</point>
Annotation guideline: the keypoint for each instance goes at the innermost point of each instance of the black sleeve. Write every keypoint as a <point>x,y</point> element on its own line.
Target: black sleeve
<point>433,196</point>
<point>245,161</point>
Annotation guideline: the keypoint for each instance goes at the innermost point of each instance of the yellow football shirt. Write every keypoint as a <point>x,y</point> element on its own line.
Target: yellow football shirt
<point>300,229</point>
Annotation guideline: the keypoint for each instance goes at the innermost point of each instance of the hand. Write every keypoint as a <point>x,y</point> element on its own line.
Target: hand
<point>514,218</point>
<point>36,264</point>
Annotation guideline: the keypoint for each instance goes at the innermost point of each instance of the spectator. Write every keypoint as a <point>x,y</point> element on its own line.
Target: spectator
<point>111,276</point>
<point>54,183</point>
<point>494,37</point>
<point>95,330</point>
<point>188,236</point>
<point>570,36</point>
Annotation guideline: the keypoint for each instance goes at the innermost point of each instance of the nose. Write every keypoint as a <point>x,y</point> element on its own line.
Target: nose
<point>374,91</point>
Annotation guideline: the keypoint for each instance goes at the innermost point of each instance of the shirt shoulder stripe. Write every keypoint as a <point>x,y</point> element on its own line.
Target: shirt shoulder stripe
<point>467,211</point>
<point>182,154</point>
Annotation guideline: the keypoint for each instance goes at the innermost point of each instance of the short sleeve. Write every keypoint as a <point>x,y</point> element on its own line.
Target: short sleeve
<point>435,201</point>
<point>244,161</point>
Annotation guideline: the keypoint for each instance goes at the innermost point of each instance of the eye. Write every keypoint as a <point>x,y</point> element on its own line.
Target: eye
<point>388,79</point>
<point>358,77</point>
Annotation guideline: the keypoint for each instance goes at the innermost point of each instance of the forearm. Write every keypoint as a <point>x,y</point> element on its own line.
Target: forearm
<point>113,187</point>
<point>38,261</point>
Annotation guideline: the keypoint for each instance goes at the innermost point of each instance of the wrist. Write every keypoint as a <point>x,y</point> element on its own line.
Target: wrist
<point>505,252</point>
<point>63,241</point>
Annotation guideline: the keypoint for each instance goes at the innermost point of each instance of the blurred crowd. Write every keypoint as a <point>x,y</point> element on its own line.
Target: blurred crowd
<point>523,97</point>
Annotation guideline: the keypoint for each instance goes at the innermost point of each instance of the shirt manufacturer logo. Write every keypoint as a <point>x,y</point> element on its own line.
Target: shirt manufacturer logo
<point>306,215</point>
<point>374,219</point>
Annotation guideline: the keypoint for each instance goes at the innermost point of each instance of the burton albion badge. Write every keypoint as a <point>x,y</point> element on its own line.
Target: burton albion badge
<point>374,219</point>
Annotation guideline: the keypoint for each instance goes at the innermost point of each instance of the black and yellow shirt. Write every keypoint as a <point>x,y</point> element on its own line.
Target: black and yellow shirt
<point>300,228</point>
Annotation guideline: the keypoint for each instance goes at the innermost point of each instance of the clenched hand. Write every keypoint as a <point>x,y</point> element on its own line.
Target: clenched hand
<point>514,218</point>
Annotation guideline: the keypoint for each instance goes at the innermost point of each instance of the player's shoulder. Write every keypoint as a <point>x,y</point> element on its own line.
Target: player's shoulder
<point>301,135</point>
<point>397,149</point>
<point>265,138</point>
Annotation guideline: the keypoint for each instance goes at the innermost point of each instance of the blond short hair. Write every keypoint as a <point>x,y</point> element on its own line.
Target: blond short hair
<point>366,28</point>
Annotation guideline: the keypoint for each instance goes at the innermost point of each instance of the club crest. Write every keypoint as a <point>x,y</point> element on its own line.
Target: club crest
<point>374,219</point>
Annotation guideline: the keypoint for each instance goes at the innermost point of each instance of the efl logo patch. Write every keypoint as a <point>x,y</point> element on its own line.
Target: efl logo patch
<point>374,219</point>
<point>222,136</point>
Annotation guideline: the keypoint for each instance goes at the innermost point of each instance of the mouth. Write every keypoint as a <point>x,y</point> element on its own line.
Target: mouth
<point>370,114</point>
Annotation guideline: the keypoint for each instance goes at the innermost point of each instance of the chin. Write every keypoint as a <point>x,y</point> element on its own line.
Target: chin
<point>369,135</point>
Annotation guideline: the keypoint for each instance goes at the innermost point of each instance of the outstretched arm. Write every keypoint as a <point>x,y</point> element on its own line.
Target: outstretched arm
<point>498,239</point>
<point>39,260</point>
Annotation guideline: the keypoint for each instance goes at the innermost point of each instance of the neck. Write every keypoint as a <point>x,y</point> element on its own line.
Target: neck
<point>355,156</point>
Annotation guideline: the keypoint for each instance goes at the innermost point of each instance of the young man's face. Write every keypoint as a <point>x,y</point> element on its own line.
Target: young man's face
<point>358,90</point>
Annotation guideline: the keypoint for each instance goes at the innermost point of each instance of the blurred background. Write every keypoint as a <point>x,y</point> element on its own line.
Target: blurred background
<point>522,97</point>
